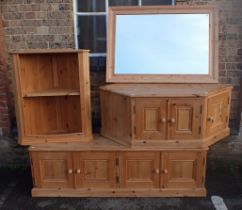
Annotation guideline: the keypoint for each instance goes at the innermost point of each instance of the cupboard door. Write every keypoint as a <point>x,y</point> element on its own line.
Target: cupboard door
<point>151,116</point>
<point>183,169</point>
<point>95,169</point>
<point>217,113</point>
<point>53,169</point>
<point>185,119</point>
<point>139,169</point>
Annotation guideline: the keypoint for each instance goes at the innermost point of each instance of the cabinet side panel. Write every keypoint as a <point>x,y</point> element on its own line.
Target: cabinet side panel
<point>18,99</point>
<point>85,97</point>
<point>116,116</point>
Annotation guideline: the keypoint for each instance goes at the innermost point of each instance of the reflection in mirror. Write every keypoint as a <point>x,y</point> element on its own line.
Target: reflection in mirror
<point>162,44</point>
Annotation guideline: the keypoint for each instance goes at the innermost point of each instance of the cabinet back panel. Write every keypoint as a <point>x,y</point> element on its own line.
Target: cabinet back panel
<point>52,115</point>
<point>48,71</point>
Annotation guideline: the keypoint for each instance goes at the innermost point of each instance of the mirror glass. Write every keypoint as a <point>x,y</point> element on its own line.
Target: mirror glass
<point>162,44</point>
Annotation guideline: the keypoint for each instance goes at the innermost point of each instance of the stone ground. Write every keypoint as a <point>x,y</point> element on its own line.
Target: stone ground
<point>224,178</point>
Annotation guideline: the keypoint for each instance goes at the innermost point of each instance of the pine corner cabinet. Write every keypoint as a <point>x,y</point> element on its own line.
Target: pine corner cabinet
<point>107,169</point>
<point>52,96</point>
<point>178,115</point>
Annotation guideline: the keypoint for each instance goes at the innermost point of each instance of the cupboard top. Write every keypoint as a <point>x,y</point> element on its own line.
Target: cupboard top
<point>101,143</point>
<point>166,90</point>
<point>44,51</point>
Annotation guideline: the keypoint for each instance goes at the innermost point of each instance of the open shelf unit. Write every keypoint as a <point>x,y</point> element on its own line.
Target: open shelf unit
<point>53,96</point>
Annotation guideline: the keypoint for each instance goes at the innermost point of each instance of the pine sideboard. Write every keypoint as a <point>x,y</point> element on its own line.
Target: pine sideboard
<point>178,115</point>
<point>107,169</point>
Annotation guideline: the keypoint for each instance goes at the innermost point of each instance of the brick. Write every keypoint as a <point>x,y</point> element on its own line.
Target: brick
<point>12,1</point>
<point>61,30</point>
<point>58,15</point>
<point>65,6</point>
<point>49,38</point>
<point>57,22</point>
<point>36,45</point>
<point>41,15</point>
<point>30,15</point>
<point>61,45</point>
<point>13,15</point>
<point>34,23</point>
<point>33,1</point>
<point>42,30</point>
<point>29,7</point>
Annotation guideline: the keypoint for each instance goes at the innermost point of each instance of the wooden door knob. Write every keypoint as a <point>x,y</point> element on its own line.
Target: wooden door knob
<point>70,171</point>
<point>172,120</point>
<point>211,119</point>
<point>165,171</point>
<point>157,171</point>
<point>78,171</point>
<point>163,120</point>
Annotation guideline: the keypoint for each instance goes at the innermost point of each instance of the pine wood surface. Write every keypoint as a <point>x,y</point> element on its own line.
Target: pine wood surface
<point>63,192</point>
<point>158,173</point>
<point>101,143</point>
<point>52,96</point>
<point>166,90</point>
<point>211,77</point>
<point>195,120</point>
<point>44,51</point>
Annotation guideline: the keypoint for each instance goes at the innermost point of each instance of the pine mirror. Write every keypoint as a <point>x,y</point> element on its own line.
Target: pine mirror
<point>162,44</point>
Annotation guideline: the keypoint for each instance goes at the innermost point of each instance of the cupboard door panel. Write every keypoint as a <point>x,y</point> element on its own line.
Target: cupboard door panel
<point>53,169</point>
<point>95,169</point>
<point>185,119</point>
<point>151,115</point>
<point>217,113</point>
<point>139,169</point>
<point>183,169</point>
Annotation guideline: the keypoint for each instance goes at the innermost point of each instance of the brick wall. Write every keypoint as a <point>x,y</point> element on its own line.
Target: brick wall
<point>4,87</point>
<point>49,23</point>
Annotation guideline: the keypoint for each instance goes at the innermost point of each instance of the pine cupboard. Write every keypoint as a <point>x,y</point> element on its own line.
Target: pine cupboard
<point>116,171</point>
<point>194,115</point>
<point>52,96</point>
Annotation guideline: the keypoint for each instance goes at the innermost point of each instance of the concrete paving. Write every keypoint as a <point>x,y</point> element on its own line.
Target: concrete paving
<point>224,178</point>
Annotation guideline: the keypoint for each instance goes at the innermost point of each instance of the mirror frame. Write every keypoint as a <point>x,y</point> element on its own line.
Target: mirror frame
<point>212,77</point>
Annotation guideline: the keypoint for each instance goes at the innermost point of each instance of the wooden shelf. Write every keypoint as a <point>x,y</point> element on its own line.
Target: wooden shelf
<point>53,92</point>
<point>53,96</point>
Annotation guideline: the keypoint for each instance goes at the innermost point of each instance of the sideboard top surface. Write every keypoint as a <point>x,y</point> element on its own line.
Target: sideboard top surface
<point>101,143</point>
<point>46,51</point>
<point>165,90</point>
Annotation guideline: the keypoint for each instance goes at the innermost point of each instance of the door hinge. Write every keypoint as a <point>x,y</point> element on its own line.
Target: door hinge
<point>199,129</point>
<point>201,109</point>
<point>117,179</point>
<point>117,161</point>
